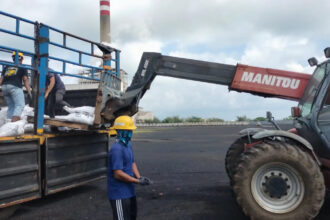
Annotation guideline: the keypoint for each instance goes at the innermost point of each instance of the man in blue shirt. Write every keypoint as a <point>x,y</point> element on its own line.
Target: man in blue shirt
<point>54,93</point>
<point>123,172</point>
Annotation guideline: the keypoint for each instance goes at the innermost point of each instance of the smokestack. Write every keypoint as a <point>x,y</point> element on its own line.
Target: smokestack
<point>105,21</point>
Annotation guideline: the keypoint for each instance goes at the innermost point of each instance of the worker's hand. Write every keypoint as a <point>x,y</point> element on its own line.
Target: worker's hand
<point>46,95</point>
<point>144,181</point>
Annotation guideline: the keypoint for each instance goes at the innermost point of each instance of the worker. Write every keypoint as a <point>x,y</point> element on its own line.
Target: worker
<point>54,94</point>
<point>123,172</point>
<point>11,82</point>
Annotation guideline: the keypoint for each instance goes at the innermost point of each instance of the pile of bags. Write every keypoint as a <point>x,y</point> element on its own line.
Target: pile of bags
<point>12,128</point>
<point>84,114</point>
<point>8,128</point>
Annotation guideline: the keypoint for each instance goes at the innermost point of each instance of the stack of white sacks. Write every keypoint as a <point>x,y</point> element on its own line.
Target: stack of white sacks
<point>84,115</point>
<point>8,128</point>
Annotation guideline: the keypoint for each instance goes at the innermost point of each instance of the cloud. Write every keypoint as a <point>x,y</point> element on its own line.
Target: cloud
<point>132,53</point>
<point>263,50</point>
<point>270,50</point>
<point>168,96</point>
<point>225,23</point>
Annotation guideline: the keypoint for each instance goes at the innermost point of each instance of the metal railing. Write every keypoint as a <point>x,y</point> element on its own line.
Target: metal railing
<point>41,57</point>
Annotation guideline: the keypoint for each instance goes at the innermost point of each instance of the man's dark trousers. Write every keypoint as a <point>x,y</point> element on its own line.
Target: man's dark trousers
<point>124,209</point>
<point>55,100</point>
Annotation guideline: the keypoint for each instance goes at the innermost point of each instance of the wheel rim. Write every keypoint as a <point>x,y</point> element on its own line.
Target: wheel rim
<point>277,187</point>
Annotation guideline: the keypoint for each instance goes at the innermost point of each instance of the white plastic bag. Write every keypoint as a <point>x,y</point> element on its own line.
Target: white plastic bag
<point>27,111</point>
<point>28,128</point>
<point>12,128</point>
<point>83,114</point>
<point>83,109</point>
<point>83,118</point>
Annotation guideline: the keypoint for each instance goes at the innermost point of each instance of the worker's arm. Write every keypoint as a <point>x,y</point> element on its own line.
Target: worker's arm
<point>27,84</point>
<point>1,80</point>
<point>142,180</point>
<point>124,177</point>
<point>136,171</point>
<point>50,86</point>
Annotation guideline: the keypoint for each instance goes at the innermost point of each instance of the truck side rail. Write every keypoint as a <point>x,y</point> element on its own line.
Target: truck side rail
<point>45,41</point>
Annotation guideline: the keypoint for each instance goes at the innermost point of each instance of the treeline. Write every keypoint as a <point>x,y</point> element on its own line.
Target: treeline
<point>244,118</point>
<point>177,119</point>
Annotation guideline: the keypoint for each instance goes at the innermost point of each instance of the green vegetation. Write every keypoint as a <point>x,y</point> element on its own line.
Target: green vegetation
<point>214,120</point>
<point>288,118</point>
<point>194,119</point>
<point>177,119</point>
<point>242,118</point>
<point>260,119</point>
<point>156,120</point>
<point>174,119</point>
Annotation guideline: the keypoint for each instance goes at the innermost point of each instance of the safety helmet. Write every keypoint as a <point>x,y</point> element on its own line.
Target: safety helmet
<point>124,122</point>
<point>19,54</point>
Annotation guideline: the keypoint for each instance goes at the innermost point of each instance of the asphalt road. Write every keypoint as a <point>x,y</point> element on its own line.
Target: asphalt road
<point>187,167</point>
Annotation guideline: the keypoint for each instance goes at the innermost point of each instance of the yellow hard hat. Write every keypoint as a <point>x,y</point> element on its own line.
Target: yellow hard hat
<point>124,123</point>
<point>19,54</point>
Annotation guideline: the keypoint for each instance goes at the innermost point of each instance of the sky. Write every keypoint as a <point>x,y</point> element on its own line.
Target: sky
<point>274,34</point>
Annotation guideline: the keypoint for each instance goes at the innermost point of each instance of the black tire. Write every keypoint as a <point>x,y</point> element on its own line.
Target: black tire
<point>273,173</point>
<point>7,212</point>
<point>233,155</point>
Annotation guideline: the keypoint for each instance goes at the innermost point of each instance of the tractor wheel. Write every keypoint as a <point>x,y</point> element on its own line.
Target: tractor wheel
<point>233,155</point>
<point>278,181</point>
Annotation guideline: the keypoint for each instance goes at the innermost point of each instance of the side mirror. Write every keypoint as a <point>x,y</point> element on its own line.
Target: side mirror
<point>327,52</point>
<point>312,61</point>
<point>269,116</point>
<point>295,112</point>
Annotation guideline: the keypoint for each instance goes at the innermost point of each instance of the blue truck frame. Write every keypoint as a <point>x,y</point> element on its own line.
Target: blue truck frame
<point>40,58</point>
<point>36,165</point>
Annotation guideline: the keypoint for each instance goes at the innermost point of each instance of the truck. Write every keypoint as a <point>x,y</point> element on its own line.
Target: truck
<point>40,163</point>
<point>274,174</point>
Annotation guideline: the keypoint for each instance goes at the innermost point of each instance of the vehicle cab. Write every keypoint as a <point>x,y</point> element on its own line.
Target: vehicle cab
<point>313,113</point>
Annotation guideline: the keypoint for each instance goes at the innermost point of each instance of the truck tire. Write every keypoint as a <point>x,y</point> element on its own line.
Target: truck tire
<point>233,155</point>
<point>278,181</point>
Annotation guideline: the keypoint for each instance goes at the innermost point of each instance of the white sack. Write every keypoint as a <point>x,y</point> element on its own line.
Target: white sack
<point>83,109</point>
<point>12,128</point>
<point>84,115</point>
<point>27,111</point>
<point>28,128</point>
<point>77,117</point>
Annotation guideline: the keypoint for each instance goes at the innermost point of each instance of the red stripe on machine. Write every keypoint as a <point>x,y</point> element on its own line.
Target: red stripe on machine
<point>105,3</point>
<point>105,12</point>
<point>285,84</point>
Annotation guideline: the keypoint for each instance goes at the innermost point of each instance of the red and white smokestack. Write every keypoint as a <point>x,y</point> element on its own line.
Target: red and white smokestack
<point>105,21</point>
